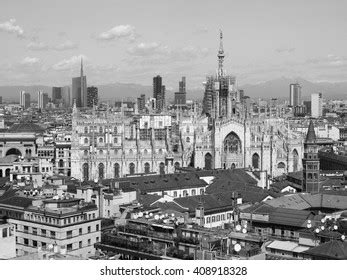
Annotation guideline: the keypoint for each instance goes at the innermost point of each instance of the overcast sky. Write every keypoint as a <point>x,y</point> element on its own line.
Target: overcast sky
<point>131,41</point>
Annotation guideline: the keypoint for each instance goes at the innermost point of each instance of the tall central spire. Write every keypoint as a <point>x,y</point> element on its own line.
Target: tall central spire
<point>220,55</point>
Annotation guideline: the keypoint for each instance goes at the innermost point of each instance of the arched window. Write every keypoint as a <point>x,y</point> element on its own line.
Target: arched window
<point>116,170</point>
<point>188,129</point>
<point>255,161</point>
<point>101,140</point>
<point>232,143</point>
<point>208,161</point>
<point>100,129</point>
<point>147,168</point>
<point>132,168</point>
<point>160,151</point>
<point>175,194</point>
<point>0,173</point>
<point>131,152</point>
<point>115,130</point>
<point>7,172</point>
<point>162,168</point>
<point>188,140</point>
<point>295,160</point>
<point>85,170</point>
<point>61,163</point>
<point>115,140</point>
<point>101,169</point>
<point>101,152</point>
<point>185,193</point>
<point>86,129</point>
<point>177,165</point>
<point>281,165</point>
<point>85,152</point>
<point>85,140</point>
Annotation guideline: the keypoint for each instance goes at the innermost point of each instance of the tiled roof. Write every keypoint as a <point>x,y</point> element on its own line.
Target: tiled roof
<point>334,249</point>
<point>27,127</point>
<point>17,201</point>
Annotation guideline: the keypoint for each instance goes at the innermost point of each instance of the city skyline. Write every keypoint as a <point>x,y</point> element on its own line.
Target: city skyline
<point>261,40</point>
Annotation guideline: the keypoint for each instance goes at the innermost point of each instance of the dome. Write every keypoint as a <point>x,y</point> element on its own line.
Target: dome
<point>26,127</point>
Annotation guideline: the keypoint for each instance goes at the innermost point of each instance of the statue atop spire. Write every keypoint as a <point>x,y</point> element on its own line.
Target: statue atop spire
<point>220,55</point>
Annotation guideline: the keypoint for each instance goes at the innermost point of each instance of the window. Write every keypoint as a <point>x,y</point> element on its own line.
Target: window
<point>86,140</point>
<point>188,140</point>
<point>26,241</point>
<point>175,194</point>
<point>213,219</point>
<point>4,232</point>
<point>193,192</point>
<point>34,243</point>
<point>26,229</point>
<point>86,130</point>
<point>80,231</point>
<point>208,220</point>
<point>97,239</point>
<point>89,229</point>
<point>52,234</point>
<point>43,245</point>
<point>97,227</point>
<point>69,247</point>
<point>101,140</point>
<point>100,130</point>
<point>115,140</point>
<point>69,234</point>
<point>80,244</point>
<point>34,231</point>
<point>115,130</point>
<point>89,242</point>
<point>43,232</point>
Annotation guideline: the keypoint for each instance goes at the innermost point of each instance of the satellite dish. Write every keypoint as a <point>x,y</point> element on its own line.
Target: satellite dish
<point>343,237</point>
<point>165,221</point>
<point>151,214</point>
<point>140,214</point>
<point>322,227</point>
<point>237,247</point>
<point>244,230</point>
<point>317,230</point>
<point>309,225</point>
<point>335,227</point>
<point>238,227</point>
<point>156,217</point>
<point>50,246</point>
<point>147,216</point>
<point>166,214</point>
<point>173,215</point>
<point>322,220</point>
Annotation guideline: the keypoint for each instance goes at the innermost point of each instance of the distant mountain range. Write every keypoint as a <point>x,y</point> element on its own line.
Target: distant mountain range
<point>278,88</point>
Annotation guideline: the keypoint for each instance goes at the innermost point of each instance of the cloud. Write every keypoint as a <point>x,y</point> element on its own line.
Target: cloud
<point>118,32</point>
<point>41,46</point>
<point>10,27</point>
<point>330,61</point>
<point>200,30</point>
<point>147,49</point>
<point>285,50</point>
<point>67,45</point>
<point>29,61</point>
<point>70,63</point>
<point>155,53</point>
<point>37,46</point>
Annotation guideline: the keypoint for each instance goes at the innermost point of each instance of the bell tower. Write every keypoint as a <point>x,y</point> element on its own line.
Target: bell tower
<point>310,162</point>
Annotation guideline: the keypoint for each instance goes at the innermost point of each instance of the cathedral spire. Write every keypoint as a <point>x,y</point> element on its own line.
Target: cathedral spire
<point>220,55</point>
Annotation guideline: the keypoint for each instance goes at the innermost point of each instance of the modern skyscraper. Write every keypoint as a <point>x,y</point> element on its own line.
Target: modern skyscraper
<point>159,93</point>
<point>180,96</point>
<point>57,95</point>
<point>141,103</point>
<point>294,95</point>
<point>316,105</point>
<point>310,162</point>
<point>79,89</point>
<point>65,94</point>
<point>42,99</point>
<point>24,100</point>
<point>92,96</point>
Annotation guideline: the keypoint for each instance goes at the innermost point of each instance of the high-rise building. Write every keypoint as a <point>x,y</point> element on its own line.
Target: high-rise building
<point>42,99</point>
<point>92,96</point>
<point>159,93</point>
<point>310,162</point>
<point>307,104</point>
<point>157,84</point>
<point>182,85</point>
<point>294,95</point>
<point>79,89</point>
<point>316,105</point>
<point>141,103</point>
<point>65,94</point>
<point>57,95</point>
<point>180,96</point>
<point>24,100</point>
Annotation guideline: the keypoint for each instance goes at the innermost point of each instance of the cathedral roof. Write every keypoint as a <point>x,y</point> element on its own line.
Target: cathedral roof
<point>311,135</point>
